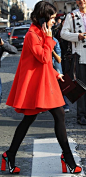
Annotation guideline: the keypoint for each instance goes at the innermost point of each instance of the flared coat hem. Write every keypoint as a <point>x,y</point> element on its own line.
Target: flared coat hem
<point>34,111</point>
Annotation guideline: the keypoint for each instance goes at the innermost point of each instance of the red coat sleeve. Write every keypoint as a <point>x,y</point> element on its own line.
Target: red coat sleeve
<point>42,53</point>
<point>56,73</point>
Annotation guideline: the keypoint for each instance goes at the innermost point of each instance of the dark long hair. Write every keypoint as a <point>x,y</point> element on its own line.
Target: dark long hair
<point>42,10</point>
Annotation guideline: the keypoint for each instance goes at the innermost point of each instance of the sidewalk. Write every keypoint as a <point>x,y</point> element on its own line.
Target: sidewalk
<point>42,128</point>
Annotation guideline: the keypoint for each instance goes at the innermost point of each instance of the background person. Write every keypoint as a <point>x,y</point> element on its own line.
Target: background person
<point>57,64</point>
<point>58,67</point>
<point>58,21</point>
<point>5,47</point>
<point>56,26</point>
<point>67,33</point>
<point>35,88</point>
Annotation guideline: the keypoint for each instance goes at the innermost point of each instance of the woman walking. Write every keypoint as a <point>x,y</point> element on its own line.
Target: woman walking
<point>35,88</point>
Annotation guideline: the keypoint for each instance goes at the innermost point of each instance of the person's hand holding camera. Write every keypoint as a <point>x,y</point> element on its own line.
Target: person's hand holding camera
<point>82,36</point>
<point>1,42</point>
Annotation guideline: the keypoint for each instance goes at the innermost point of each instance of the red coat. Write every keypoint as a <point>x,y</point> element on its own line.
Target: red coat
<point>35,88</point>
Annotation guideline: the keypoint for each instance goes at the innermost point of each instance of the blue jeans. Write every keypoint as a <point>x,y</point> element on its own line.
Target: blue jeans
<point>58,67</point>
<point>66,106</point>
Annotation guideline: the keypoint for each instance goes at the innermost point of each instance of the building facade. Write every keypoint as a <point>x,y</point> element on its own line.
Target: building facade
<point>5,6</point>
<point>3,9</point>
<point>23,6</point>
<point>3,13</point>
<point>63,6</point>
<point>28,13</point>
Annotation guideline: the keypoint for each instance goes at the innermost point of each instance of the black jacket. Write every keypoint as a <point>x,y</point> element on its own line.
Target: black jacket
<point>6,47</point>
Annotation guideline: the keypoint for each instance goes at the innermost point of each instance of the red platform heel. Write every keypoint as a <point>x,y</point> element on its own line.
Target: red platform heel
<point>77,169</point>
<point>3,165</point>
<point>5,159</point>
<point>64,168</point>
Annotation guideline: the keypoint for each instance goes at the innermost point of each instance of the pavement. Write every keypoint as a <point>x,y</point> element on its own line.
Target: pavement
<point>40,132</point>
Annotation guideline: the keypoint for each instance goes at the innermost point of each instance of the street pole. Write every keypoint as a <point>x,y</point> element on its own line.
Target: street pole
<point>8,13</point>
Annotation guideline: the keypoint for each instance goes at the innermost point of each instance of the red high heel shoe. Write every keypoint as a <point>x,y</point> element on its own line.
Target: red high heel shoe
<point>3,165</point>
<point>77,169</point>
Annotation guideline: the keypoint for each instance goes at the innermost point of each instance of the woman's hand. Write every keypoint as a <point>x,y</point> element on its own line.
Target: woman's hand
<point>60,77</point>
<point>46,30</point>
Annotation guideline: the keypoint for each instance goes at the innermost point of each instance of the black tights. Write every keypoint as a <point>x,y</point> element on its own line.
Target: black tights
<point>60,131</point>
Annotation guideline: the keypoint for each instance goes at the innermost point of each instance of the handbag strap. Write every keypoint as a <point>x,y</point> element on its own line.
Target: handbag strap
<point>73,25</point>
<point>74,69</point>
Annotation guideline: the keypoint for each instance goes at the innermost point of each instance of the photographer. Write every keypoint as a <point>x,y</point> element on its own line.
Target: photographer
<point>78,39</point>
<point>5,47</point>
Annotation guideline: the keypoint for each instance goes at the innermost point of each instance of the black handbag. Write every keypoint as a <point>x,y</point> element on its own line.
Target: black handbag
<point>72,89</point>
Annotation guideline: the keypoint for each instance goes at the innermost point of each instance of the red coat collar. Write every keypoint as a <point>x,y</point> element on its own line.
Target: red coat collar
<point>37,30</point>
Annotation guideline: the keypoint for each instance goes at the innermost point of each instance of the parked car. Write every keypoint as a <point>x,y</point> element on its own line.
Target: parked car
<point>17,36</point>
<point>27,25</point>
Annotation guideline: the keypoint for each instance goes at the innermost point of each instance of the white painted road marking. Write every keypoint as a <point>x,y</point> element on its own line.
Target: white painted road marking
<point>46,158</point>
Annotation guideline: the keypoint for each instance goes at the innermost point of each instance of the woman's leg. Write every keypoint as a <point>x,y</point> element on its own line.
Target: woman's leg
<point>19,135</point>
<point>60,131</point>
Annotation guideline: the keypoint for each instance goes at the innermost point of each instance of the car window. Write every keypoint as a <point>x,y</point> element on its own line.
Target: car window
<point>22,31</point>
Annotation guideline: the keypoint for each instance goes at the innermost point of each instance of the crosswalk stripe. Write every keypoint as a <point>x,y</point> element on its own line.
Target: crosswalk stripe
<point>46,158</point>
